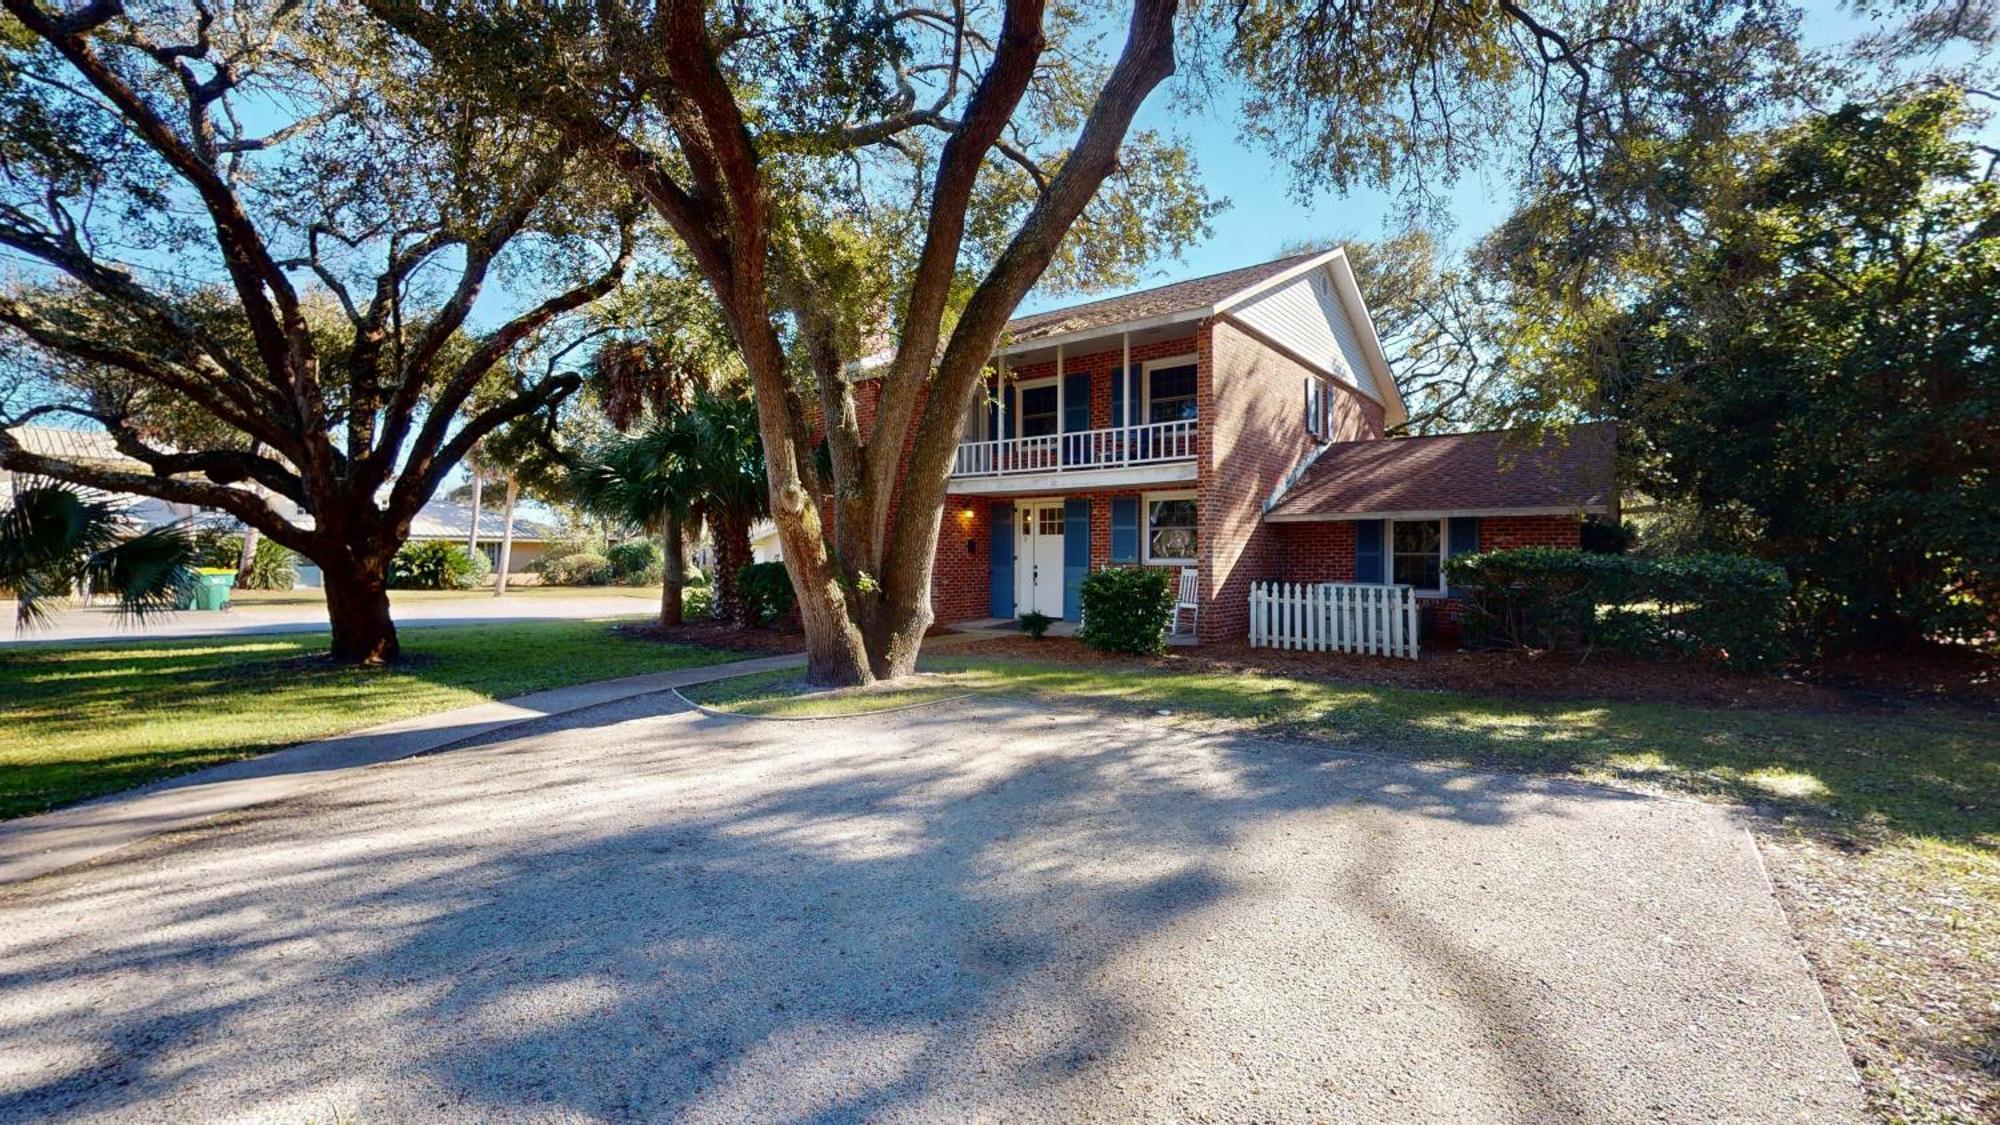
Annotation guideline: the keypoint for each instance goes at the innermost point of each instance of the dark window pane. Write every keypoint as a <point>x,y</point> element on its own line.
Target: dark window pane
<point>1038,411</point>
<point>1417,547</point>
<point>1172,394</point>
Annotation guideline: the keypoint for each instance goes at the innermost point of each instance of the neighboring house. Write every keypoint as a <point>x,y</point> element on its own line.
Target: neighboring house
<point>95,448</point>
<point>1232,424</point>
<point>451,522</point>
<point>438,520</point>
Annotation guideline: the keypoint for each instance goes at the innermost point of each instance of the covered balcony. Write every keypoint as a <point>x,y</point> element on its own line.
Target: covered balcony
<point>1103,411</point>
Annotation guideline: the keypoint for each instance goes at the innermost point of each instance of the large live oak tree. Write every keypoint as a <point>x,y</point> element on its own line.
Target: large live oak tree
<point>249,242</point>
<point>819,159</point>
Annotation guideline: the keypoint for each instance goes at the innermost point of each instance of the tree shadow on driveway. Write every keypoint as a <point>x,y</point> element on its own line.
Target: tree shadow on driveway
<point>982,909</point>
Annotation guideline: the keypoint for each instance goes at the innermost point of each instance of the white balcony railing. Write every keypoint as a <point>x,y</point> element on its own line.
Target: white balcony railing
<point>1110,448</point>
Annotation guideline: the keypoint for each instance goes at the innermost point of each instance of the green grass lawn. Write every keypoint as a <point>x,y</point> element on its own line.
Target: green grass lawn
<point>77,721</point>
<point>786,695</point>
<point>1928,772</point>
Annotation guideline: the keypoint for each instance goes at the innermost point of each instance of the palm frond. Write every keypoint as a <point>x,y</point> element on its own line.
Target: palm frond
<point>55,536</point>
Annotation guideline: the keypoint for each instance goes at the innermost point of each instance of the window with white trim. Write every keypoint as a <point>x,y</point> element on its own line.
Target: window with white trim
<point>1041,410</point>
<point>1170,393</point>
<point>1417,547</point>
<point>1170,529</point>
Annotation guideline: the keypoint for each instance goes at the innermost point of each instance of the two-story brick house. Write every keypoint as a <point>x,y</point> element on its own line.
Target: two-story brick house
<point>1233,424</point>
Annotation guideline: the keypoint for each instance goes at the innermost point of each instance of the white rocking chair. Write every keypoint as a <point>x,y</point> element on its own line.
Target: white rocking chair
<point>1189,599</point>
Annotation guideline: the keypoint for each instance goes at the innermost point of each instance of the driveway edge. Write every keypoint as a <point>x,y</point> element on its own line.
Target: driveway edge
<point>38,845</point>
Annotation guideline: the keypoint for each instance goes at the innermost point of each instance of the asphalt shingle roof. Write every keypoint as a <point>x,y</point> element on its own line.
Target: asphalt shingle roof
<point>1181,296</point>
<point>1567,470</point>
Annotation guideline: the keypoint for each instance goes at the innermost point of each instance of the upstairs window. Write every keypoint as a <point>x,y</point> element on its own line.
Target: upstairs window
<point>1041,411</point>
<point>1170,394</point>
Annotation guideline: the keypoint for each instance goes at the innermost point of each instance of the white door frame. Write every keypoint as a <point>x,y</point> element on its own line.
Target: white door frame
<point>1032,591</point>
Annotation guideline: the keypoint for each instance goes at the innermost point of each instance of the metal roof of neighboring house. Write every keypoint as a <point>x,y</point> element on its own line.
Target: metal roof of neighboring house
<point>1566,470</point>
<point>90,447</point>
<point>444,519</point>
<point>1161,300</point>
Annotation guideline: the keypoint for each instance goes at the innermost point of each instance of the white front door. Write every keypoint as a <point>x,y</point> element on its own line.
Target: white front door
<point>1038,558</point>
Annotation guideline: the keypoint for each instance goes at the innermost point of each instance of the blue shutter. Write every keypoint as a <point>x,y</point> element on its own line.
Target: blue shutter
<point>1076,416</point>
<point>1076,401</point>
<point>1000,567</point>
<point>993,419</point>
<point>1125,529</point>
<point>1118,397</point>
<point>1462,538</point>
<point>1076,556</point>
<point>1368,551</point>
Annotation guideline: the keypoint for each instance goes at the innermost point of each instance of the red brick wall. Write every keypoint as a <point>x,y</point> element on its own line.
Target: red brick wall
<point>1500,533</point>
<point>959,588</point>
<point>1252,435</point>
<point>1315,552</point>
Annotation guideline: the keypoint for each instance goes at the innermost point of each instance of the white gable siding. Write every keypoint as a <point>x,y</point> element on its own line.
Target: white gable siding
<point>1306,315</point>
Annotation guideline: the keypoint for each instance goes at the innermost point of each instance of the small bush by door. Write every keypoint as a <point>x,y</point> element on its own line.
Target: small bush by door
<point>1125,609</point>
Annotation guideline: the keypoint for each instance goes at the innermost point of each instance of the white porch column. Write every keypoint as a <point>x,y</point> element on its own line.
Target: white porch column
<point>1131,404</point>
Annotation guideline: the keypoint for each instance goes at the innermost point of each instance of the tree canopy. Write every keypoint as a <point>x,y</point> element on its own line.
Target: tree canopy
<point>248,240</point>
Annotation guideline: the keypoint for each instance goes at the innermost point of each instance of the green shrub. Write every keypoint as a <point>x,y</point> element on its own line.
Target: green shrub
<point>695,578</point>
<point>1126,609</point>
<point>1036,623</point>
<point>579,569</point>
<point>766,590</point>
<point>272,566</point>
<point>1725,610</point>
<point>697,603</point>
<point>436,565</point>
<point>638,562</point>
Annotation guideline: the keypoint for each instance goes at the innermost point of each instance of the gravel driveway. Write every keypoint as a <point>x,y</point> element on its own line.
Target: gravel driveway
<point>983,910</point>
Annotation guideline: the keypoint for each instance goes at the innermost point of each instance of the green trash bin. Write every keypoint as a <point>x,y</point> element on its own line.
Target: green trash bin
<point>212,586</point>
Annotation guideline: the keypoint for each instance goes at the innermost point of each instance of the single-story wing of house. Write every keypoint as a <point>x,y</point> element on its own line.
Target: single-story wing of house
<point>451,522</point>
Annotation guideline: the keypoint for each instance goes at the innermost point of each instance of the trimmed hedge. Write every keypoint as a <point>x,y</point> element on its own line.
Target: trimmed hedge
<point>436,565</point>
<point>1720,609</point>
<point>1126,609</point>
<point>766,590</point>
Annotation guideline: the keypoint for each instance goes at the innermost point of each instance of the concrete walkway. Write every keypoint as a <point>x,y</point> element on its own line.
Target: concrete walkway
<point>36,845</point>
<point>990,910</point>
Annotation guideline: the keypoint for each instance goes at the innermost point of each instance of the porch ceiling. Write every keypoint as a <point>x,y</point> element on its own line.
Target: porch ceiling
<point>1177,327</point>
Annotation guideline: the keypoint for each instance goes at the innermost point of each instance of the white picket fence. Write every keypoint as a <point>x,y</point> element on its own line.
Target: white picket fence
<point>1334,617</point>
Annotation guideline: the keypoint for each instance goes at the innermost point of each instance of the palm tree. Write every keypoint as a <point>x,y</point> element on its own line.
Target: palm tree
<point>640,480</point>
<point>704,463</point>
<point>56,537</point>
<point>729,492</point>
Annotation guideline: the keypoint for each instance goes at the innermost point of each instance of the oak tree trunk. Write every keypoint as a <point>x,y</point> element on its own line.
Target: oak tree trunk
<point>673,577</point>
<point>357,607</point>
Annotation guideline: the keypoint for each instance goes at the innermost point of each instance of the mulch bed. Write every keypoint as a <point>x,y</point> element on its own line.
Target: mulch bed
<point>719,634</point>
<point>1963,676</point>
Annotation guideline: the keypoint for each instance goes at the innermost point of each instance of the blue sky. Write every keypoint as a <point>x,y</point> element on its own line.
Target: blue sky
<point>1264,216</point>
